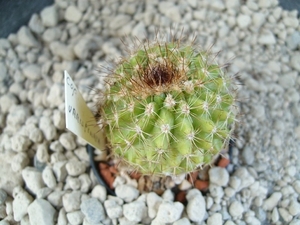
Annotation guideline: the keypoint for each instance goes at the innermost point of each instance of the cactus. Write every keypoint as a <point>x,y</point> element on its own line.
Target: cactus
<point>169,108</point>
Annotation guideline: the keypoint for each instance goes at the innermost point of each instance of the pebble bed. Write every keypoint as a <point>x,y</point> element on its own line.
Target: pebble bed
<point>45,172</point>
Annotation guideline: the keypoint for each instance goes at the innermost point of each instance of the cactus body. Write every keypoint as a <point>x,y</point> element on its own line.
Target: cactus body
<point>169,109</point>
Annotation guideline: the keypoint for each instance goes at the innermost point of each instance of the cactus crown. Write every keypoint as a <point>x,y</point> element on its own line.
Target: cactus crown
<point>169,108</point>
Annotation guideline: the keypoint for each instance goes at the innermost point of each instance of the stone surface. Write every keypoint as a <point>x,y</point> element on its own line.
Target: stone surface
<point>135,211</point>
<point>169,212</point>
<point>218,176</point>
<point>20,203</point>
<point>236,209</point>
<point>49,16</point>
<point>93,210</point>
<point>126,192</point>
<point>41,213</point>
<point>26,38</point>
<point>196,206</point>
<point>75,168</point>
<point>33,179</point>
<point>73,14</point>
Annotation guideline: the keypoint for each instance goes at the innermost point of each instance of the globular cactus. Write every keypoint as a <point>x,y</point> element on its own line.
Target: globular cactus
<point>169,108</point>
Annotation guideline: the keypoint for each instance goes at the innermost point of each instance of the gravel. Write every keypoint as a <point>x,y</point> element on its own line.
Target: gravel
<point>45,174</point>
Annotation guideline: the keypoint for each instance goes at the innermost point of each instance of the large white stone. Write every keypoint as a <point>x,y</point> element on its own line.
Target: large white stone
<point>41,212</point>
<point>49,16</point>
<point>73,14</point>
<point>196,207</point>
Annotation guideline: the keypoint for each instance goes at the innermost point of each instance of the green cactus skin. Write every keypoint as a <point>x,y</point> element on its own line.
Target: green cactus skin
<point>169,109</point>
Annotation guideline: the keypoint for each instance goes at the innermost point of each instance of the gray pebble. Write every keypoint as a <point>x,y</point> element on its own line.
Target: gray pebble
<point>67,140</point>
<point>3,196</point>
<point>93,210</point>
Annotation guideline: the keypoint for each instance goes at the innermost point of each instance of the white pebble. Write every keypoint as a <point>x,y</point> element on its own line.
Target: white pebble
<point>126,192</point>
<point>48,177</point>
<point>83,48</point>
<point>33,179</point>
<point>266,38</point>
<point>294,208</point>
<point>71,201</point>
<point>243,21</point>
<point>55,198</point>
<point>7,100</point>
<point>135,211</point>
<point>182,221</point>
<point>41,212</point>
<point>236,209</point>
<point>295,58</point>
<point>54,98</point>
<point>75,217</point>
<point>35,24</point>
<point>218,176</point>
<point>49,16</point>
<point>275,215</point>
<point>285,215</point>
<point>118,21</point>
<point>67,140</point>
<point>272,201</point>
<point>75,168</point>
<point>85,182</point>
<point>169,212</point>
<point>153,203</point>
<point>113,209</point>
<point>64,51</point>
<point>20,203</point>
<point>26,38</point>
<point>296,186</point>
<point>20,143</point>
<point>196,207</point>
<point>73,14</point>
<point>60,171</point>
<point>99,192</point>
<point>215,219</point>
<point>47,127</point>
<point>168,195</point>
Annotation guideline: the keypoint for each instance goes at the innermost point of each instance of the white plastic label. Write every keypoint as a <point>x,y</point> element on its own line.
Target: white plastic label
<point>79,118</point>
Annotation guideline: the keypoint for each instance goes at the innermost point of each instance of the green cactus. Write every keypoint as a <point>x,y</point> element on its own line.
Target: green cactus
<point>169,109</point>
